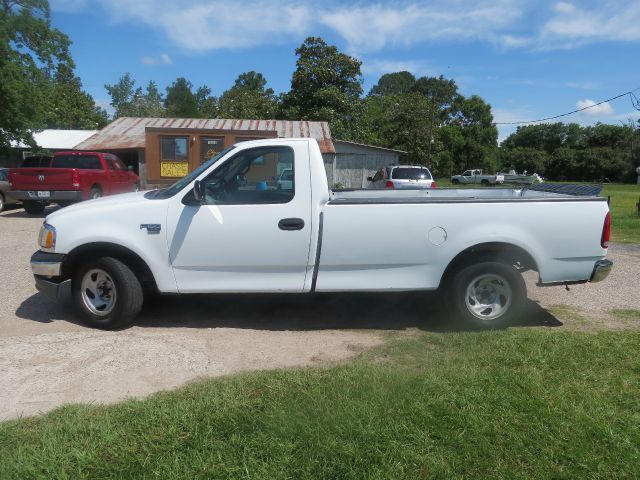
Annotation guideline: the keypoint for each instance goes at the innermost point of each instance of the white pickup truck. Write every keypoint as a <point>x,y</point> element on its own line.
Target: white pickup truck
<point>226,228</point>
<point>476,176</point>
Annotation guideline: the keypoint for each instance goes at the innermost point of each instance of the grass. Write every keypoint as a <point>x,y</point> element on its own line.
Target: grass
<point>625,221</point>
<point>521,403</point>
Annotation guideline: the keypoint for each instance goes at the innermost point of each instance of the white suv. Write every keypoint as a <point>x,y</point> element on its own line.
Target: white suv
<point>402,176</point>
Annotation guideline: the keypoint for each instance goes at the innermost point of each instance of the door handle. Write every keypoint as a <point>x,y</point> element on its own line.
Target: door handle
<point>291,224</point>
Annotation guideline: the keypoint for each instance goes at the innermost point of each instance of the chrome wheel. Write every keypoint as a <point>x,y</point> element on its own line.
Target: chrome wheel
<point>98,292</point>
<point>488,296</point>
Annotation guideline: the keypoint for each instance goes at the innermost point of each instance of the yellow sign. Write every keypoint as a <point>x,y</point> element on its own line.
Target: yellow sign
<point>174,169</point>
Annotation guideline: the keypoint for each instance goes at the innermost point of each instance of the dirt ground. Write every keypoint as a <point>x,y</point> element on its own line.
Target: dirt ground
<point>47,359</point>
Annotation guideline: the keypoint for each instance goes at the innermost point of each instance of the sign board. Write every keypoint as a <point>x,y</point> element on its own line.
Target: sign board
<point>210,147</point>
<point>174,169</point>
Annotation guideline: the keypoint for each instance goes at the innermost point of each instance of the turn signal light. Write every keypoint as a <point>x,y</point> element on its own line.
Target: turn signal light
<point>75,179</point>
<point>434,184</point>
<point>606,231</point>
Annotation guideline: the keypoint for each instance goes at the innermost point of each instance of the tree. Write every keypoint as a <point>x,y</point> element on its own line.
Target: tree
<point>180,100</point>
<point>30,52</point>
<point>326,85</point>
<point>67,106</point>
<point>248,98</point>
<point>397,83</point>
<point>129,101</point>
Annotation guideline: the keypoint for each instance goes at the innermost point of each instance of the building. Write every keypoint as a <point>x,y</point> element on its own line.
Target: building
<point>162,150</point>
<point>50,139</point>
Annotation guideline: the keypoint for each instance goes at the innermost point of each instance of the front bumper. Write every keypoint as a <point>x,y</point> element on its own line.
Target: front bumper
<point>48,272</point>
<point>601,270</point>
<point>54,196</point>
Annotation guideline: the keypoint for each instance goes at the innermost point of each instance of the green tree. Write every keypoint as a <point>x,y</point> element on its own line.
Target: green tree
<point>30,52</point>
<point>397,83</point>
<point>129,101</point>
<point>248,98</point>
<point>180,100</point>
<point>67,106</point>
<point>326,85</point>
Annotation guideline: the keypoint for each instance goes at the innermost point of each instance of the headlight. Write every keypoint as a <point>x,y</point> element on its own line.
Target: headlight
<point>47,237</point>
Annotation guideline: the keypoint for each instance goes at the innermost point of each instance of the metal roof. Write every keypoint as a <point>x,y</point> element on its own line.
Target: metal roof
<point>58,139</point>
<point>129,132</point>
<point>374,147</point>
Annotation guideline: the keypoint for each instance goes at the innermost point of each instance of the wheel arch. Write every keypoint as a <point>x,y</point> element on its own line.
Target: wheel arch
<point>501,251</point>
<point>96,250</point>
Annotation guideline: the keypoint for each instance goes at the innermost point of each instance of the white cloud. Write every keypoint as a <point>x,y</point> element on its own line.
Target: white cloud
<point>163,59</point>
<point>571,26</point>
<point>199,25</point>
<point>604,109</point>
<point>371,28</point>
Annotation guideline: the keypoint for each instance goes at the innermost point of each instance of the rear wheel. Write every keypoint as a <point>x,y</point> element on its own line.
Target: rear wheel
<point>484,183</point>
<point>1,202</point>
<point>94,193</point>
<point>106,293</point>
<point>33,208</point>
<point>487,294</point>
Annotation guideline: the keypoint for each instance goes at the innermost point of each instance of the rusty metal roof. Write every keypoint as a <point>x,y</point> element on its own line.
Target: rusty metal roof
<point>129,132</point>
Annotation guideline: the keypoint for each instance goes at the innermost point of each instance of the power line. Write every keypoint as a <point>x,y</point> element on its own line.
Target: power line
<point>634,101</point>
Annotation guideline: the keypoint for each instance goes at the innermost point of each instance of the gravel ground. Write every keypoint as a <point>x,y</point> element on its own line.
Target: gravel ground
<point>47,359</point>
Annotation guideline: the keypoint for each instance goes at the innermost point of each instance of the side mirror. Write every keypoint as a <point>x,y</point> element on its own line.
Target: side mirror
<point>370,179</point>
<point>198,191</point>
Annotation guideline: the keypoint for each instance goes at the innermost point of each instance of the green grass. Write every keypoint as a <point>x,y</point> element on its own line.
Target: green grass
<point>522,403</point>
<point>625,222</point>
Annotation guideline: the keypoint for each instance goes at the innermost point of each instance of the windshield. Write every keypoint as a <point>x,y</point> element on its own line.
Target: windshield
<point>184,181</point>
<point>404,173</point>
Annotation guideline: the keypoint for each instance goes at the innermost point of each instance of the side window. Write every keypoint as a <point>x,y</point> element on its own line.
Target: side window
<point>111,164</point>
<point>251,177</point>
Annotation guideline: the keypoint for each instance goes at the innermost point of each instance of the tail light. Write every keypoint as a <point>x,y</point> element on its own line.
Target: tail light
<point>75,179</point>
<point>606,231</point>
<point>10,179</point>
<point>389,184</point>
<point>434,184</point>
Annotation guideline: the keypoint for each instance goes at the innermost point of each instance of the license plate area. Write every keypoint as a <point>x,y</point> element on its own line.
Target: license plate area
<point>43,194</point>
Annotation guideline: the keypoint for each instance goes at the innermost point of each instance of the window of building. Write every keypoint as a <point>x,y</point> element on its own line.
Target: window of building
<point>174,156</point>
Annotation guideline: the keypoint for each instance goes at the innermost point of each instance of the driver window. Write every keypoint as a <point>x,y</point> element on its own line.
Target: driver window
<point>257,175</point>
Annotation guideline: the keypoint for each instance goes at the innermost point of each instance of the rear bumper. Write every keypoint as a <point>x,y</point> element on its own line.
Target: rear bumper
<point>54,195</point>
<point>601,270</point>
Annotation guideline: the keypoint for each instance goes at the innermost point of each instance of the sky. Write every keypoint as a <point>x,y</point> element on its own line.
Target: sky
<point>528,59</point>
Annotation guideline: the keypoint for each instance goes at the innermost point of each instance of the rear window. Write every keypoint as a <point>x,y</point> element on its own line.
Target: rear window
<point>36,162</point>
<point>411,174</point>
<point>82,162</point>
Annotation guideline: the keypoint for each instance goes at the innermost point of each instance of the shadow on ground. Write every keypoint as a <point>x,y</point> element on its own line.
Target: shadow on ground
<point>16,211</point>
<point>278,312</point>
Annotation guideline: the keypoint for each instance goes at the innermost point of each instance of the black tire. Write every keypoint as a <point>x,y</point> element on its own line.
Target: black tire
<point>128,300</point>
<point>94,193</point>
<point>33,208</point>
<point>455,181</point>
<point>489,278</point>
<point>484,183</point>
<point>2,202</point>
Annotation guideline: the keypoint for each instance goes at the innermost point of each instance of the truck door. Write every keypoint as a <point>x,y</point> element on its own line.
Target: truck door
<point>247,234</point>
<point>119,175</point>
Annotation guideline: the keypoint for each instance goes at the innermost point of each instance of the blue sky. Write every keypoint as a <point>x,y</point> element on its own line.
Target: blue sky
<point>528,59</point>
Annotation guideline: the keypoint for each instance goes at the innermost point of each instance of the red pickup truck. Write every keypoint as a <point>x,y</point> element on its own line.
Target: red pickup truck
<point>70,177</point>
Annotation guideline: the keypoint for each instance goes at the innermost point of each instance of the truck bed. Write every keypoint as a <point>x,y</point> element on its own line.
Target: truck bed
<point>541,192</point>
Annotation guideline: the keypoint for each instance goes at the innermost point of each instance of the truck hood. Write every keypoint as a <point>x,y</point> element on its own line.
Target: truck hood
<point>123,201</point>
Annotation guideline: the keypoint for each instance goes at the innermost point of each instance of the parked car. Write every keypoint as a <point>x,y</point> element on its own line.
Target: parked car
<point>285,179</point>
<point>521,179</point>
<point>402,176</point>
<point>69,177</point>
<point>216,231</point>
<point>4,188</point>
<point>476,176</point>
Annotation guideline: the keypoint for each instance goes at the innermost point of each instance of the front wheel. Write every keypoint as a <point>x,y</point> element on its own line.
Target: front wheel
<point>455,181</point>
<point>487,294</point>
<point>106,293</point>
